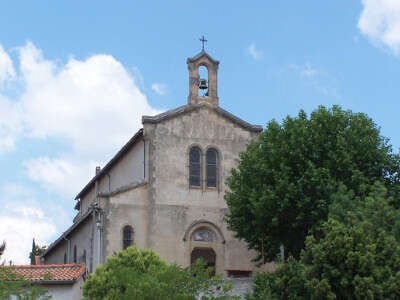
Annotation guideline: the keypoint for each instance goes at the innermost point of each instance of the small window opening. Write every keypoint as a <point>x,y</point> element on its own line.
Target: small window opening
<point>75,254</point>
<point>195,166</point>
<point>84,256</point>
<point>127,237</point>
<point>65,257</point>
<point>239,273</point>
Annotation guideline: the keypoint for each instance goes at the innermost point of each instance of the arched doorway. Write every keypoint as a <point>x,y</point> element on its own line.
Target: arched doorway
<point>204,239</point>
<point>206,254</point>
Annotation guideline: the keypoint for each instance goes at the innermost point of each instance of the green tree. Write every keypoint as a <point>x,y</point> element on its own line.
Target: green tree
<point>353,262</point>
<point>356,257</point>
<point>134,274</point>
<point>36,251</point>
<point>287,282</point>
<point>283,185</point>
<point>2,248</point>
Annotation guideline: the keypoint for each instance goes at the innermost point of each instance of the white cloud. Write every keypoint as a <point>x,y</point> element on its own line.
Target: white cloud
<point>254,53</point>
<point>7,71</point>
<point>10,123</point>
<point>21,220</point>
<point>316,78</point>
<point>93,105</point>
<point>308,71</point>
<point>380,22</point>
<point>64,175</point>
<point>159,88</point>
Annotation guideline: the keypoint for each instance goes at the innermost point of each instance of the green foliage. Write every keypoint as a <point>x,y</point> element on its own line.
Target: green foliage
<point>287,282</point>
<point>47,276</point>
<point>14,286</point>
<point>283,185</point>
<point>357,255</point>
<point>36,251</point>
<point>352,262</point>
<point>134,274</point>
<point>376,208</point>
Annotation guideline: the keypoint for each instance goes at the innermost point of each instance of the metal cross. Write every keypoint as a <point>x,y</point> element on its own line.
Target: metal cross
<point>203,40</point>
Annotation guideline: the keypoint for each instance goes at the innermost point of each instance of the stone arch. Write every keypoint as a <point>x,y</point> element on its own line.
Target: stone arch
<point>212,146</point>
<point>204,224</point>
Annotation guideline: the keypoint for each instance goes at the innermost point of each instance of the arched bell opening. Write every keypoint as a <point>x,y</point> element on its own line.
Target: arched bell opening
<point>206,254</point>
<point>203,81</point>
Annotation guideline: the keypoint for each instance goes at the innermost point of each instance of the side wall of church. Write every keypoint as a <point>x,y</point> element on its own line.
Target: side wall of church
<point>80,238</point>
<point>174,205</point>
<point>128,208</point>
<point>129,169</point>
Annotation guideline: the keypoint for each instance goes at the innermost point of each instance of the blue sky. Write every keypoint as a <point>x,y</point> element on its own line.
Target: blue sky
<point>76,76</point>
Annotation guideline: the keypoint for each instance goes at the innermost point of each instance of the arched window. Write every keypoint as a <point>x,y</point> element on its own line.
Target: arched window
<point>75,254</point>
<point>195,166</point>
<point>127,238</point>
<point>212,167</point>
<point>65,257</point>
<point>203,235</point>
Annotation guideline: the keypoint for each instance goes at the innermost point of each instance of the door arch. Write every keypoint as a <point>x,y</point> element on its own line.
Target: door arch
<point>204,239</point>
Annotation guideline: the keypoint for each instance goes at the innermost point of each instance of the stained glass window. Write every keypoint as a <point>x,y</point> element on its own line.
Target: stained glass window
<point>195,166</point>
<point>211,172</point>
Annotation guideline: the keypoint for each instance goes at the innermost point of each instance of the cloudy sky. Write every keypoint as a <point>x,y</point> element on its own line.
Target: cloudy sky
<point>75,79</point>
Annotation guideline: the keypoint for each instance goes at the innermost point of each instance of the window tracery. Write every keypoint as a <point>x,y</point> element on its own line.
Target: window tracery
<point>203,235</point>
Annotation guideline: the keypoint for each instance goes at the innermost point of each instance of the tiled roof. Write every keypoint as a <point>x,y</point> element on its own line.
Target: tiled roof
<point>62,272</point>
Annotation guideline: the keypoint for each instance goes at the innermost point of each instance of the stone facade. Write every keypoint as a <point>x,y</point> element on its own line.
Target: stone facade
<point>146,186</point>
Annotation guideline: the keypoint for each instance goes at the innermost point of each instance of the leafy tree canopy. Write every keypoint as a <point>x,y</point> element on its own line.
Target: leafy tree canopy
<point>134,274</point>
<point>357,256</point>
<point>283,185</point>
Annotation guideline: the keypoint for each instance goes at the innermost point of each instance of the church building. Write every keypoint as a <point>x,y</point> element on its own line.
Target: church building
<point>164,189</point>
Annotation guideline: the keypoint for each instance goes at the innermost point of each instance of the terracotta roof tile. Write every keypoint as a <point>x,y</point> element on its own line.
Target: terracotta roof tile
<point>62,272</point>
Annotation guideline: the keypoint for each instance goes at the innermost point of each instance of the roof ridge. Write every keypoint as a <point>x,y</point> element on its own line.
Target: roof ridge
<point>58,272</point>
<point>49,266</point>
<point>190,107</point>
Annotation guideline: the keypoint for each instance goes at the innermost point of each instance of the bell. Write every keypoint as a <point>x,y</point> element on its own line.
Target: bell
<point>202,84</point>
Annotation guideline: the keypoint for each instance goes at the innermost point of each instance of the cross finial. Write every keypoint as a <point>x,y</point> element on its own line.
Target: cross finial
<point>203,40</point>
